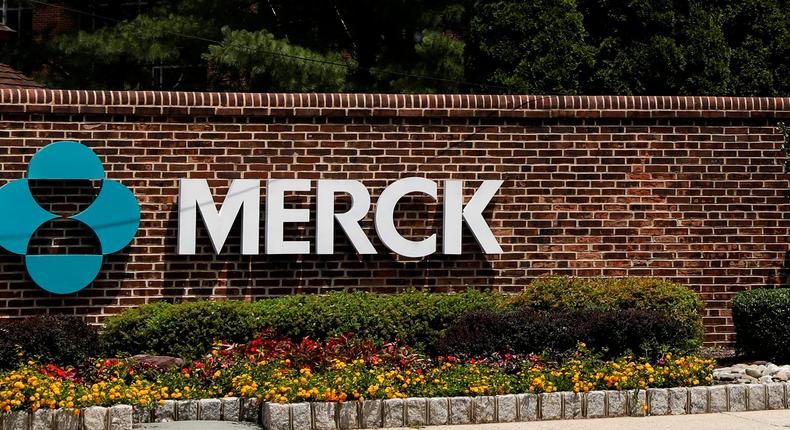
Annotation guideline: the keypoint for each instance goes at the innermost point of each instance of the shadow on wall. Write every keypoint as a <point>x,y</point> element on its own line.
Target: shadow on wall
<point>233,275</point>
<point>783,280</point>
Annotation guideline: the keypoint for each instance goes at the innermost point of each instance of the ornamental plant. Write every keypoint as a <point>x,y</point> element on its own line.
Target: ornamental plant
<point>416,318</point>
<point>60,339</point>
<point>613,333</point>
<point>340,369</point>
<point>673,301</point>
<point>762,323</point>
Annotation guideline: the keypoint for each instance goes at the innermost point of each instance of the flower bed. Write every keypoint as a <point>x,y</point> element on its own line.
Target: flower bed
<point>339,370</point>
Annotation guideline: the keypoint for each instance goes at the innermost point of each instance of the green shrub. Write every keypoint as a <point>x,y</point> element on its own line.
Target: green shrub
<point>58,339</point>
<point>188,329</point>
<point>762,323</point>
<point>611,333</point>
<point>183,330</point>
<point>607,294</point>
<point>415,318</point>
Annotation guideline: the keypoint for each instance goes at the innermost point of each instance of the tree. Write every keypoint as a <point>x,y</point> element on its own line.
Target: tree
<point>759,33</point>
<point>439,55</point>
<point>111,57</point>
<point>707,55</point>
<point>533,46</point>
<point>247,60</point>
<point>273,46</point>
<point>657,47</point>
<point>654,47</point>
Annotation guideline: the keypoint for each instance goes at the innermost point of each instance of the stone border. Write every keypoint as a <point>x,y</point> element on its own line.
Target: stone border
<point>417,411</point>
<point>124,417</point>
<point>524,407</point>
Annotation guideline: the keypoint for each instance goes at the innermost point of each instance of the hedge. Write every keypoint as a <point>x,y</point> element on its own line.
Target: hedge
<point>762,323</point>
<point>189,329</point>
<point>610,333</point>
<point>182,330</point>
<point>58,339</point>
<point>415,318</point>
<point>671,300</point>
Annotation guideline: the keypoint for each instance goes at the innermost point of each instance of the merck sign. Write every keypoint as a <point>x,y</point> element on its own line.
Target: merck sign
<point>114,216</point>
<point>244,196</point>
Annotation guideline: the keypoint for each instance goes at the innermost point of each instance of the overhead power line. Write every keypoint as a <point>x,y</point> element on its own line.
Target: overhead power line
<point>466,139</point>
<point>287,55</point>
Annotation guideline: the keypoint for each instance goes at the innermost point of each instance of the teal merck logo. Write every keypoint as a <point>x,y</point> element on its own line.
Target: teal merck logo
<point>114,216</point>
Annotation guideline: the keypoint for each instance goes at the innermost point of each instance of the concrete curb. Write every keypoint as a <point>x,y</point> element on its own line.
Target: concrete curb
<point>417,411</point>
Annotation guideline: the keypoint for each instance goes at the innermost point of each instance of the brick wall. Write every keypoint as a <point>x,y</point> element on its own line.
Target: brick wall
<point>685,188</point>
<point>53,19</point>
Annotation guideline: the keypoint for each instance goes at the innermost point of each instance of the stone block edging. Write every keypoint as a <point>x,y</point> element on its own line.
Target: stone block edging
<point>417,411</point>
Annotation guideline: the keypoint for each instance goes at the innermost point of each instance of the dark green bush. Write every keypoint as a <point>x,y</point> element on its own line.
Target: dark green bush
<point>612,333</point>
<point>671,300</point>
<point>188,329</point>
<point>762,323</point>
<point>184,330</point>
<point>57,339</point>
<point>415,318</point>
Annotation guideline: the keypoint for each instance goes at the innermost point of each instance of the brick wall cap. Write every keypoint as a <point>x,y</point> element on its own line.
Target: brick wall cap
<point>440,105</point>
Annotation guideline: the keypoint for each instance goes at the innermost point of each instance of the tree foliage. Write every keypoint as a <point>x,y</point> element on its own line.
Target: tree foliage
<point>656,47</point>
<point>659,47</point>
<point>533,47</point>
<point>251,59</point>
<point>759,34</point>
<point>439,55</point>
<point>144,39</point>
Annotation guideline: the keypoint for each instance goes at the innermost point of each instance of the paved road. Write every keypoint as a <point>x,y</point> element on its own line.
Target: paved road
<point>762,420</point>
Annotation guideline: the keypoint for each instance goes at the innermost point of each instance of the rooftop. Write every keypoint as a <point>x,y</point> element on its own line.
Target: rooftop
<point>10,78</point>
